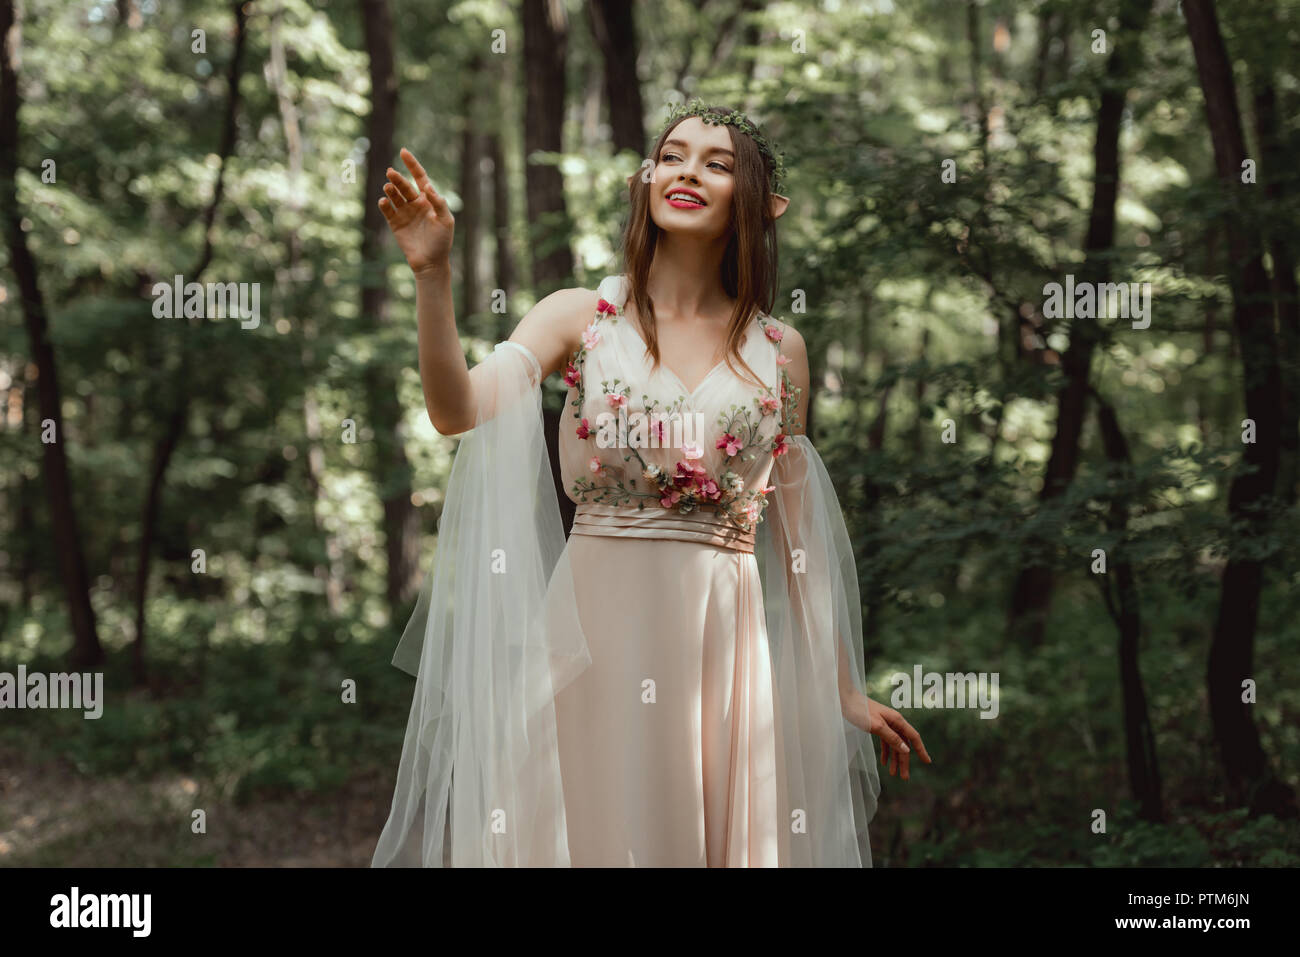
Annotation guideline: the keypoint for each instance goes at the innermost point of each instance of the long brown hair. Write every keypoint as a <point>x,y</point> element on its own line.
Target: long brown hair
<point>749,263</point>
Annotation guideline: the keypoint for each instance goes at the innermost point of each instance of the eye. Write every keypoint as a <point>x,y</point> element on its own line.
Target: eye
<point>664,157</point>
<point>719,165</point>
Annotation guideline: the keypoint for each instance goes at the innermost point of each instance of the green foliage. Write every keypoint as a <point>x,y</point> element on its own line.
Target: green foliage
<point>920,298</point>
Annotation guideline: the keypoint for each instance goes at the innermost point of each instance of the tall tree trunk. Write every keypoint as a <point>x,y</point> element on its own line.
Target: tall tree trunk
<point>86,649</point>
<point>550,230</point>
<point>393,469</point>
<point>166,444</point>
<point>328,573</point>
<point>1251,780</point>
<point>469,218</point>
<point>504,279</point>
<point>1139,738</point>
<point>1273,160</point>
<point>1031,596</point>
<point>614,27</point>
<point>545,43</point>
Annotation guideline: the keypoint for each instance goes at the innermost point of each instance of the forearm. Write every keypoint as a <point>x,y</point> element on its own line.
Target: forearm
<point>444,373</point>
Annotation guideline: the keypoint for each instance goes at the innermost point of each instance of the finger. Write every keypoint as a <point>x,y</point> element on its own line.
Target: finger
<point>903,765</point>
<point>409,192</point>
<point>413,164</point>
<point>395,195</point>
<point>893,763</point>
<point>386,207</point>
<point>914,737</point>
<point>439,204</point>
<point>889,736</point>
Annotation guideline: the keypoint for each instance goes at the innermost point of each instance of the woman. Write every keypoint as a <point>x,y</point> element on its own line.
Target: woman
<point>681,682</point>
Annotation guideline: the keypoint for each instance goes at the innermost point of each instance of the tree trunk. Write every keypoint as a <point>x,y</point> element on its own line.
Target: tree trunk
<point>614,27</point>
<point>1251,780</point>
<point>392,468</point>
<point>1273,159</point>
<point>504,258</point>
<point>545,42</point>
<point>86,649</point>
<point>469,218</point>
<point>1031,596</point>
<point>329,573</point>
<point>1139,738</point>
<point>165,445</point>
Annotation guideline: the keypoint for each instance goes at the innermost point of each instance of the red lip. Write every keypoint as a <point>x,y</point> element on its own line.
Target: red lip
<point>680,205</point>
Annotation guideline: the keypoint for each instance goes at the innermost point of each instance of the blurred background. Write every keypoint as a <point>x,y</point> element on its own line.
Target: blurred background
<point>230,519</point>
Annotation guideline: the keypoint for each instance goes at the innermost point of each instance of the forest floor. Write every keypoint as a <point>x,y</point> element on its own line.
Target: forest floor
<point>52,815</point>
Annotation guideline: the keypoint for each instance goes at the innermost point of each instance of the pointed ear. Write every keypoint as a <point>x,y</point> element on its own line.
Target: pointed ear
<point>779,205</point>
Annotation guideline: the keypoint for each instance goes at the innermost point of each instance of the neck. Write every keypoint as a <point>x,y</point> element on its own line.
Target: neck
<point>686,277</point>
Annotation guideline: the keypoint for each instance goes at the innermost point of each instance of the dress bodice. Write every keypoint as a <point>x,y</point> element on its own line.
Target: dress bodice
<point>633,436</point>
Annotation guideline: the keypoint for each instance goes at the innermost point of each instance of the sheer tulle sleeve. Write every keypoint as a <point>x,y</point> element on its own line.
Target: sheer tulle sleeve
<point>814,622</point>
<point>493,638</point>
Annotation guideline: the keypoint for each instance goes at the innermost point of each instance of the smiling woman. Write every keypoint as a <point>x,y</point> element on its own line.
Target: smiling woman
<point>680,683</point>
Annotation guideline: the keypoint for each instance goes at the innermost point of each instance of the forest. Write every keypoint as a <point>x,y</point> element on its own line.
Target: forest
<point>1044,257</point>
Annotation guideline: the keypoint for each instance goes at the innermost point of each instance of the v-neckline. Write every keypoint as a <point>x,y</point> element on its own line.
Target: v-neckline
<point>690,393</point>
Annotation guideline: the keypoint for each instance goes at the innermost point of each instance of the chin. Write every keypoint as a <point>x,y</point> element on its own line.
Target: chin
<point>683,226</point>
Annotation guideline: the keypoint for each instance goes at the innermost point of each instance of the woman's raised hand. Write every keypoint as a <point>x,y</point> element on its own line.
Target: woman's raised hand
<point>419,217</point>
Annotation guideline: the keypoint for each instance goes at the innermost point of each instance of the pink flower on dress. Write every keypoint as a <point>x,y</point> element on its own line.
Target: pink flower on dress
<point>687,474</point>
<point>590,336</point>
<point>709,490</point>
<point>768,489</point>
<point>616,400</point>
<point>778,445</point>
<point>669,498</point>
<point>773,332</point>
<point>584,430</point>
<point>730,443</point>
<point>782,360</point>
<point>657,430</point>
<point>769,405</point>
<point>752,510</point>
<point>608,307</point>
<point>692,451</point>
<point>572,376</point>
<point>594,464</point>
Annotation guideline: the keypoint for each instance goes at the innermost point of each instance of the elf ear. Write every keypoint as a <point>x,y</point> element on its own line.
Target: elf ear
<point>779,205</point>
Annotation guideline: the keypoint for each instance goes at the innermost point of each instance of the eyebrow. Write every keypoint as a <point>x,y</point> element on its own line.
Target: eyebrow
<point>711,149</point>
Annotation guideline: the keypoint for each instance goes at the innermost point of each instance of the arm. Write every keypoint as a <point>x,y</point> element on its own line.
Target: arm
<point>457,397</point>
<point>423,226</point>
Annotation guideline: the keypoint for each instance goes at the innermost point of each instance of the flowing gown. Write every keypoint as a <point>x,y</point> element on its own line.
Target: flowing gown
<point>664,688</point>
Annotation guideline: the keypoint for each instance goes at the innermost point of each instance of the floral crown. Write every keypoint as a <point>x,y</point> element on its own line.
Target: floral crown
<point>771,153</point>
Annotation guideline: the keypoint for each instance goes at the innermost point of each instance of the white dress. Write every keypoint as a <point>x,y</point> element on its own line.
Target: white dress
<point>663,689</point>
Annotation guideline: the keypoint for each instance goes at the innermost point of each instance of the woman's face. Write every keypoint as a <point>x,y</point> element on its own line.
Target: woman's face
<point>696,163</point>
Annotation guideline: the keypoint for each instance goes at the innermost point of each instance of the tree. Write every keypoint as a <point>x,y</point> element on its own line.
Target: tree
<point>614,27</point>
<point>86,649</point>
<point>1032,593</point>
<point>393,470</point>
<point>1250,778</point>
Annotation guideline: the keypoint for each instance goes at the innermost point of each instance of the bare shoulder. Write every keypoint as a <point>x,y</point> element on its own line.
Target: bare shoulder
<point>552,329</point>
<point>792,343</point>
<point>793,347</point>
